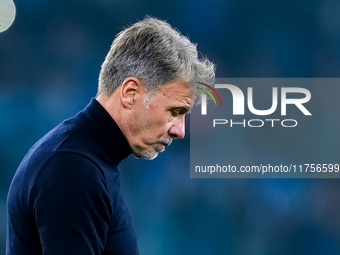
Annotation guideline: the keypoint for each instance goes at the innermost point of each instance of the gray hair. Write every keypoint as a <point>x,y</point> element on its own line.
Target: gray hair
<point>155,53</point>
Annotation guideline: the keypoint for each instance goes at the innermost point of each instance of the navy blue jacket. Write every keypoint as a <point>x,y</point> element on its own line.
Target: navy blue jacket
<point>65,197</point>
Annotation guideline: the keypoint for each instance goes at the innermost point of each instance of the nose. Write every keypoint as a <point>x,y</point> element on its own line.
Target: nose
<point>177,130</point>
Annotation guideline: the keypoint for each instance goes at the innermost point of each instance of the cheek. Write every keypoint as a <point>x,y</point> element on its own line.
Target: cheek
<point>139,122</point>
<point>152,123</point>
<point>157,117</point>
<point>148,124</point>
<point>158,125</point>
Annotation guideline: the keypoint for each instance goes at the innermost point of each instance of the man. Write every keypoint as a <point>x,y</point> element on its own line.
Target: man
<point>65,197</point>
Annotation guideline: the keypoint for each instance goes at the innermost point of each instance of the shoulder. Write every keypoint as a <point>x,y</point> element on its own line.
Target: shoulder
<point>70,168</point>
<point>69,184</point>
<point>68,177</point>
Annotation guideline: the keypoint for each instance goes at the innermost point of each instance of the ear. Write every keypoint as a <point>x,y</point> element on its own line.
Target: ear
<point>131,90</point>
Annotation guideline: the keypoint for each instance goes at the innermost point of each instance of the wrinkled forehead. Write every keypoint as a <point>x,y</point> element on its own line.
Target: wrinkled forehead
<point>176,88</point>
<point>176,92</point>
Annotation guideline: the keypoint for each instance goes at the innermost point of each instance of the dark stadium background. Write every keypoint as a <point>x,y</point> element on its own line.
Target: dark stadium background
<point>49,63</point>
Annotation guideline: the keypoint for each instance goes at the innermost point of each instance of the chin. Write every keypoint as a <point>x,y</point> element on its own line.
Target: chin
<point>148,154</point>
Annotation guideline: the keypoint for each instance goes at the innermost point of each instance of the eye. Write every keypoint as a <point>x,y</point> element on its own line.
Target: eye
<point>175,113</point>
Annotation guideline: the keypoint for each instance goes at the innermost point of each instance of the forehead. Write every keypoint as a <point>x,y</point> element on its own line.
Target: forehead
<point>175,91</point>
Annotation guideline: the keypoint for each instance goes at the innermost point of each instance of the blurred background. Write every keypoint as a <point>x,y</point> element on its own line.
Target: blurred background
<point>49,63</point>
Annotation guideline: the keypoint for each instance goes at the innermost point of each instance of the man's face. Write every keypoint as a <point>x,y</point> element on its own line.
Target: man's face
<point>155,125</point>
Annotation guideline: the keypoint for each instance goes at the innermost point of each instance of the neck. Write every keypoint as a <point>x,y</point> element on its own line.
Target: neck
<point>112,104</point>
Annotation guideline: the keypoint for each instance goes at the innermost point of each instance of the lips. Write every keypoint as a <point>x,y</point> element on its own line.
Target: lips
<point>165,142</point>
<point>161,144</point>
